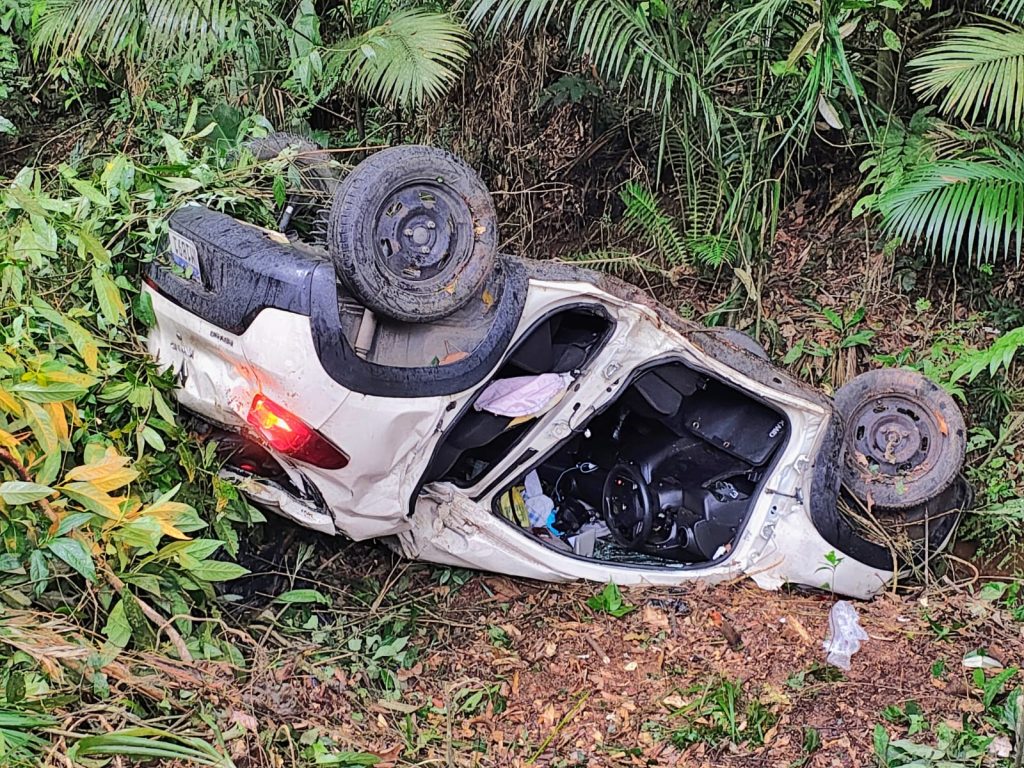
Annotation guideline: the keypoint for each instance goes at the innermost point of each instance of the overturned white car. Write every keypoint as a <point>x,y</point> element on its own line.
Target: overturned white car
<point>400,378</point>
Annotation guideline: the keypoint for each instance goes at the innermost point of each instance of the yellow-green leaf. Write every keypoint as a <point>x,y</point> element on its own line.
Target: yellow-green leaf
<point>7,440</point>
<point>109,297</point>
<point>41,426</point>
<point>85,343</point>
<point>19,492</point>
<point>55,392</point>
<point>60,421</point>
<point>9,403</point>
<point>88,191</point>
<point>90,245</point>
<point>108,474</point>
<point>93,499</point>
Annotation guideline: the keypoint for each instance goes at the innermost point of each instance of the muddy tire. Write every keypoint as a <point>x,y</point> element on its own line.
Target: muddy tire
<point>314,181</point>
<point>904,440</point>
<point>413,233</point>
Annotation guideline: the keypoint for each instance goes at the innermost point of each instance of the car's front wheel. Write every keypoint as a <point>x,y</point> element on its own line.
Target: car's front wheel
<point>904,438</point>
<point>413,233</point>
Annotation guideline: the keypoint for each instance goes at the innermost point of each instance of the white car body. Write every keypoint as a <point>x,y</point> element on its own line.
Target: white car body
<point>390,440</point>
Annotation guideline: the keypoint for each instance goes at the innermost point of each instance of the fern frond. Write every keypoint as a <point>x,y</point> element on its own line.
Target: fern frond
<point>713,250</point>
<point>940,202</point>
<point>977,72</point>
<point>413,56</point>
<point>617,262</point>
<point>645,219</point>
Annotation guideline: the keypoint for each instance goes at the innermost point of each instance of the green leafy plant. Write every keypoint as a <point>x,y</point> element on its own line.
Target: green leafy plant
<point>832,562</point>
<point>150,744</point>
<point>959,193</point>
<point>719,713</point>
<point>100,488</point>
<point>953,749</point>
<point>141,29</point>
<point>609,600</point>
<point>948,746</point>
<point>387,53</point>
<point>729,96</point>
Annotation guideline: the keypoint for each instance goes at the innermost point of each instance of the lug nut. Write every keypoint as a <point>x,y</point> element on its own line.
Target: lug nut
<point>431,225</point>
<point>407,233</point>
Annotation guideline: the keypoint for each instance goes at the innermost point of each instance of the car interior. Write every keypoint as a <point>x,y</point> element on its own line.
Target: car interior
<point>562,342</point>
<point>666,474</point>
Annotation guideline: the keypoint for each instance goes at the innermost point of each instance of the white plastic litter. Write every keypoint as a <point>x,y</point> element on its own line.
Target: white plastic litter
<point>981,660</point>
<point>539,507</point>
<point>844,635</point>
<point>523,395</point>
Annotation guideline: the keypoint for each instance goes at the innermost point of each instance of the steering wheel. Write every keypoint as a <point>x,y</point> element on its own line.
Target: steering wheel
<point>628,506</point>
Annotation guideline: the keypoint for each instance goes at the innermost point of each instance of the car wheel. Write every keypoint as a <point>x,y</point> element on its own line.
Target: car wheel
<point>905,438</point>
<point>743,340</point>
<point>317,180</point>
<point>413,233</point>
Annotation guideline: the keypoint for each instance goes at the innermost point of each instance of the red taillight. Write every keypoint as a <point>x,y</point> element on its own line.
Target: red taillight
<point>287,433</point>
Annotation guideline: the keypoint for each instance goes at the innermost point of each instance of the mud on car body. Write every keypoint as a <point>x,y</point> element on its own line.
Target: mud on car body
<point>391,374</point>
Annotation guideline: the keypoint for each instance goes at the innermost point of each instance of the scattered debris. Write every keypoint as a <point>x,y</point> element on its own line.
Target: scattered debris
<point>981,660</point>
<point>844,635</point>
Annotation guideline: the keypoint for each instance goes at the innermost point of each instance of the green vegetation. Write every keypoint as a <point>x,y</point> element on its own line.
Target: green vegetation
<point>609,600</point>
<point>719,713</point>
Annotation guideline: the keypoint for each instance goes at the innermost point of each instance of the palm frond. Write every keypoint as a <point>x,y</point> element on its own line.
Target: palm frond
<point>412,56</point>
<point>115,29</point>
<point>973,207</point>
<point>498,16</point>
<point>1013,10</point>
<point>624,43</point>
<point>978,73</point>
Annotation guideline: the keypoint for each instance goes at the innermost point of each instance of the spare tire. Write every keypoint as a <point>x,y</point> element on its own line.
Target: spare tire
<point>318,178</point>
<point>904,438</point>
<point>413,233</point>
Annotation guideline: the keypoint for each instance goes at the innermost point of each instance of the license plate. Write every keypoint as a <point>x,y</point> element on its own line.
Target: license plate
<point>185,255</point>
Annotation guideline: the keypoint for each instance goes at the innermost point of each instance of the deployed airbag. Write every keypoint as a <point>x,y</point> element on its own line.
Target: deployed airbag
<point>523,396</point>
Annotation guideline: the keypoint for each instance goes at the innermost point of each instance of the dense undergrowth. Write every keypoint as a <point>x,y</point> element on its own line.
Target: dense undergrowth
<point>700,127</point>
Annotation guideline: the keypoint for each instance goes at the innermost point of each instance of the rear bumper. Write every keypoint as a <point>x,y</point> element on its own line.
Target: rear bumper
<point>306,510</point>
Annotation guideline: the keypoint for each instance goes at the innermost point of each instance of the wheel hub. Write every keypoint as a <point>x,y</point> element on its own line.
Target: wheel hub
<point>893,433</point>
<point>415,230</point>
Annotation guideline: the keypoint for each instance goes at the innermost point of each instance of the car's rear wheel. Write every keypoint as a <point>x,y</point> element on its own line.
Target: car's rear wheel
<point>904,438</point>
<point>313,179</point>
<point>413,233</point>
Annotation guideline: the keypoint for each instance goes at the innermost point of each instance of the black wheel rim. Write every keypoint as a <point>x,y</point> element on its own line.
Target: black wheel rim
<point>421,230</point>
<point>896,435</point>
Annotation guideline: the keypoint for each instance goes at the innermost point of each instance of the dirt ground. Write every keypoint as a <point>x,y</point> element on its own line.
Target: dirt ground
<point>507,672</point>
